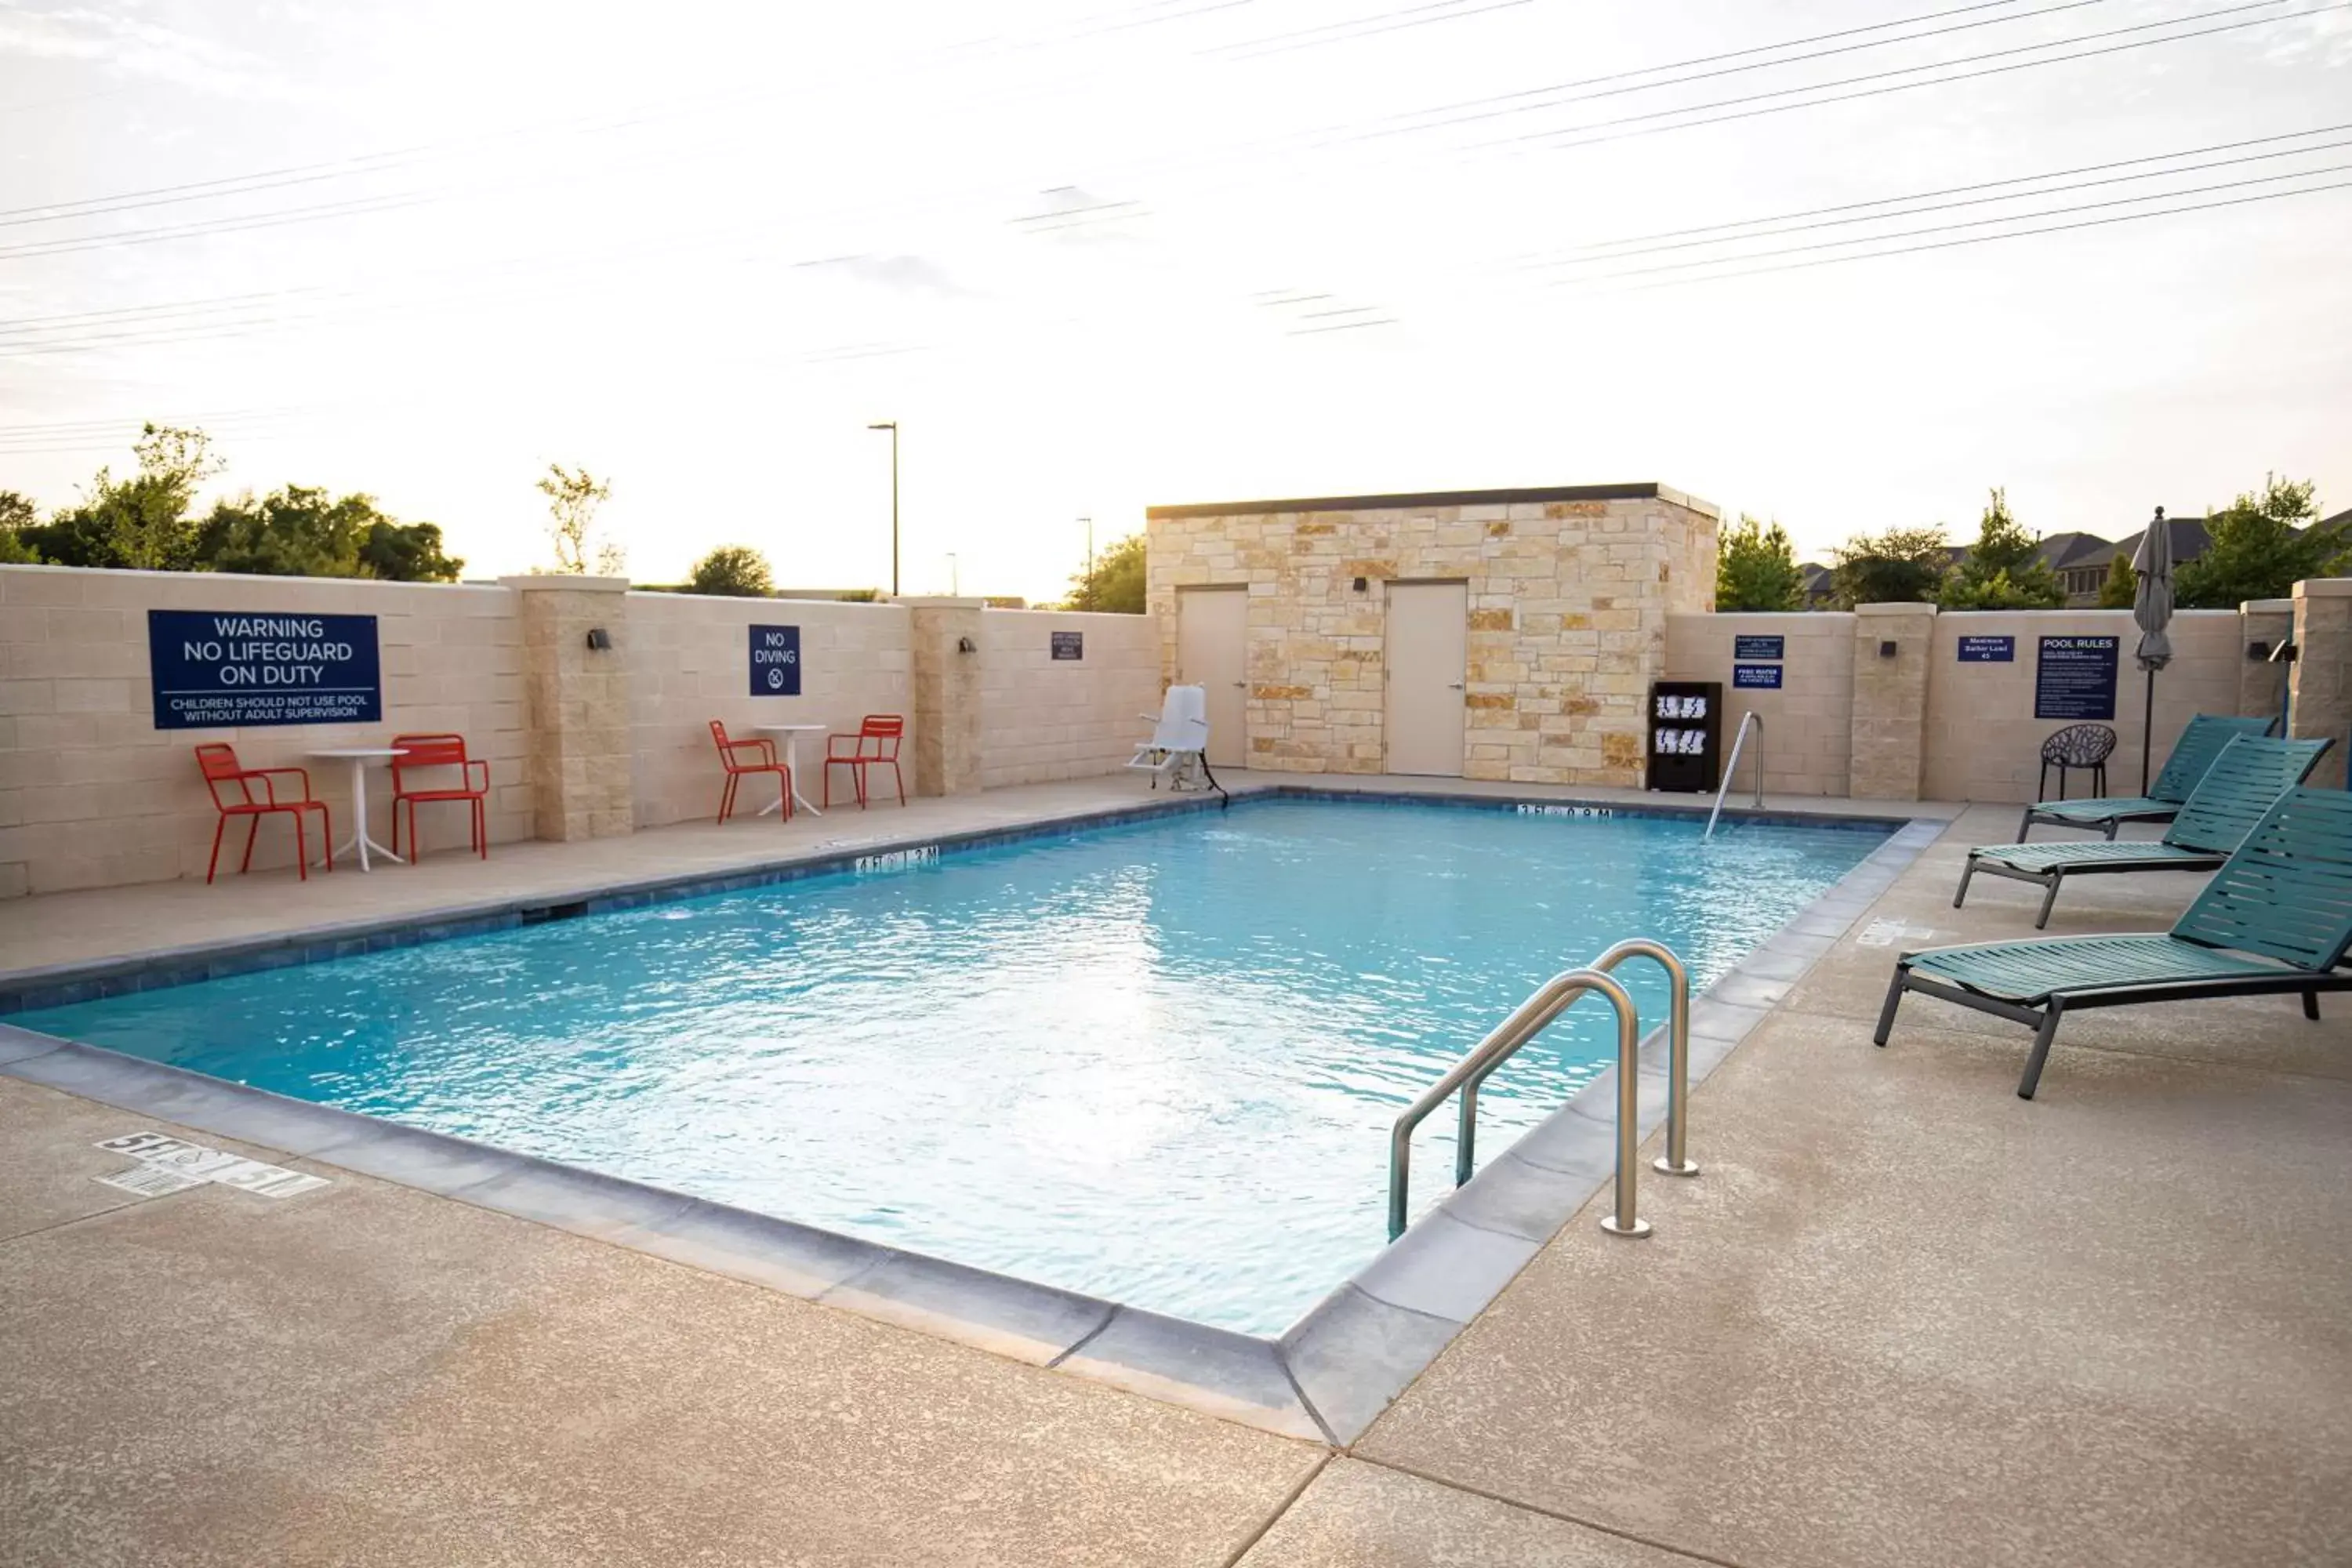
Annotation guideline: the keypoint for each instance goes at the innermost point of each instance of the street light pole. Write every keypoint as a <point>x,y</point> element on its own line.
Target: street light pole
<point>1090,552</point>
<point>892,427</point>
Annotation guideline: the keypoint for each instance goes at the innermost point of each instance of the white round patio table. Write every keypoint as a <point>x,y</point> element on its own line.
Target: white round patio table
<point>360,757</point>
<point>791,734</point>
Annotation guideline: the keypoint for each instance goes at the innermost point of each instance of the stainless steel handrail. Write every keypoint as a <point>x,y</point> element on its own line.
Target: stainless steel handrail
<point>1673,1162</point>
<point>1732,767</point>
<point>1550,1001</point>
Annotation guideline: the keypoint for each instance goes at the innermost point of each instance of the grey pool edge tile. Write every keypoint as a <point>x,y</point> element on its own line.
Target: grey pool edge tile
<point>1240,1377</point>
<point>18,1044</point>
<point>1353,1355</point>
<point>1017,1319</point>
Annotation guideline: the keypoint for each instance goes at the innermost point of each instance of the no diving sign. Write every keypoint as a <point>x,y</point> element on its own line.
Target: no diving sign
<point>775,661</point>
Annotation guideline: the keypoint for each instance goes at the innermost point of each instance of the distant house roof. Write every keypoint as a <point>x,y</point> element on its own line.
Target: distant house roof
<point>2075,548</point>
<point>2190,539</point>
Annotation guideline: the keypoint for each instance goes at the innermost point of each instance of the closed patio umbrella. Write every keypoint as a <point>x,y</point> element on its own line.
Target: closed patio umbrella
<point>2152,610</point>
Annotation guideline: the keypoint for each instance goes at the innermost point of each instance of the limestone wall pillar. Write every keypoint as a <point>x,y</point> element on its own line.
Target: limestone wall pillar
<point>944,728</point>
<point>2322,681</point>
<point>1890,699</point>
<point>2261,684</point>
<point>576,705</point>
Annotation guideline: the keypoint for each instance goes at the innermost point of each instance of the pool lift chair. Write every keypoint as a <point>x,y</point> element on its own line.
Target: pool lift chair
<point>1177,750</point>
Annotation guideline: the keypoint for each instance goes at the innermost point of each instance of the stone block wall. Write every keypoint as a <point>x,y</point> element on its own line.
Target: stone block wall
<point>581,742</point>
<point>1808,718</point>
<point>2322,681</point>
<point>1569,595</point>
<point>689,663</point>
<point>1924,726</point>
<point>1043,718</point>
<point>92,795</point>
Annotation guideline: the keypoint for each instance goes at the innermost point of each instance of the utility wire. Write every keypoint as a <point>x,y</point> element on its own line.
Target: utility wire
<point>1620,255</point>
<point>1555,138</point>
<point>1953,227</point>
<point>1988,238</point>
<point>1948,191</point>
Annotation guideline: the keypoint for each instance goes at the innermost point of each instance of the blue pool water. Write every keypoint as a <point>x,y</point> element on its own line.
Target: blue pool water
<point>1156,1063</point>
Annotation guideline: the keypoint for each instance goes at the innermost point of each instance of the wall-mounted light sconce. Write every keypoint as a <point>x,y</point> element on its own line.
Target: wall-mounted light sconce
<point>1363,584</point>
<point>965,645</point>
<point>1886,649</point>
<point>599,638</point>
<point>2283,654</point>
<point>2256,652</point>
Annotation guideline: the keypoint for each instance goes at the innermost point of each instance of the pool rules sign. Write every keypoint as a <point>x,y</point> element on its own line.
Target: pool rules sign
<point>775,661</point>
<point>215,668</point>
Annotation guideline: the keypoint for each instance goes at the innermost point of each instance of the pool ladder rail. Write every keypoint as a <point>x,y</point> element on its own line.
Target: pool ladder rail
<point>1732,767</point>
<point>1529,1019</point>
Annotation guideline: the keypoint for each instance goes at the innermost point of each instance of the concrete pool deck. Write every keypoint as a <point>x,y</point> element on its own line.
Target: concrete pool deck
<point>1902,1317</point>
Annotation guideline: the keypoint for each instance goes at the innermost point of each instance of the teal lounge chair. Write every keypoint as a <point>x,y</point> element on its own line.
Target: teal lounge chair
<point>2250,773</point>
<point>2192,755</point>
<point>2276,918</point>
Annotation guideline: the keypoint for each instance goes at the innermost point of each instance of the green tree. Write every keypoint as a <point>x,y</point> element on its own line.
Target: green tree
<point>2264,544</point>
<point>407,552</point>
<point>1114,582</point>
<point>141,522</point>
<point>573,497</point>
<point>17,513</point>
<point>302,531</point>
<point>1900,566</point>
<point>2122,586</point>
<point>2004,570</point>
<point>733,568</point>
<point>1754,569</point>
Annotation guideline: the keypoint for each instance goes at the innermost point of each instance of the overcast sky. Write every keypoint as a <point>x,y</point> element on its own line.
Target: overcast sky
<point>1096,253</point>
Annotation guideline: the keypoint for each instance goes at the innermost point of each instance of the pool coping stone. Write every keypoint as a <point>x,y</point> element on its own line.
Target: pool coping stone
<point>1325,1378</point>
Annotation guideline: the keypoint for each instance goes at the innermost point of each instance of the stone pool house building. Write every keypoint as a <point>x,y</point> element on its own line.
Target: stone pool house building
<point>1502,634</point>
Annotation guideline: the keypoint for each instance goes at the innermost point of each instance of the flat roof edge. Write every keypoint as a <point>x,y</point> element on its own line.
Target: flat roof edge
<point>1648,491</point>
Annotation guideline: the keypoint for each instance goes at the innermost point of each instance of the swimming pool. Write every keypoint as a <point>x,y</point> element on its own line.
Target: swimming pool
<point>1154,1063</point>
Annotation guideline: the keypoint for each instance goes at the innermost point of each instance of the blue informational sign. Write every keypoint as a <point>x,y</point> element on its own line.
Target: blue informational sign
<point>775,661</point>
<point>1750,676</point>
<point>214,668</point>
<point>2076,679</point>
<point>1070,645</point>
<point>1759,648</point>
<point>1988,651</point>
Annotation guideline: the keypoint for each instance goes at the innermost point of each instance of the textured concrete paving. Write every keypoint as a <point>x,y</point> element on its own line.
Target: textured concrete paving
<point>369,1374</point>
<point>1357,1515</point>
<point>1906,1317</point>
<point>1902,1318</point>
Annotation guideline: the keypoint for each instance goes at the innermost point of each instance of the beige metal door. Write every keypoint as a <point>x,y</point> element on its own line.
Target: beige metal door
<point>1428,656</point>
<point>1213,652</point>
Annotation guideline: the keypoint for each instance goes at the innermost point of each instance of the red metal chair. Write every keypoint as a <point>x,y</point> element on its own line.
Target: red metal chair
<point>221,768</point>
<point>765,750</point>
<point>876,745</point>
<point>417,751</point>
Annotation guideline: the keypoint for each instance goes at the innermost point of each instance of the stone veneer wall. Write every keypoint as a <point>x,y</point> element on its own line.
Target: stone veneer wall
<point>1568,601</point>
<point>581,742</point>
<point>1922,725</point>
<point>93,796</point>
<point>1043,718</point>
<point>688,664</point>
<point>1807,719</point>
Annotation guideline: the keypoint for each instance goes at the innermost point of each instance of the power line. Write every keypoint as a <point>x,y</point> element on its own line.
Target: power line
<point>374,164</point>
<point>1988,238</point>
<point>1951,191</point>
<point>1952,227</point>
<point>1555,102</point>
<point>1555,138</point>
<point>1620,255</point>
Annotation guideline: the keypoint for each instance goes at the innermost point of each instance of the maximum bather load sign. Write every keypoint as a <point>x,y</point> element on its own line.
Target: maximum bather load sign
<point>213,668</point>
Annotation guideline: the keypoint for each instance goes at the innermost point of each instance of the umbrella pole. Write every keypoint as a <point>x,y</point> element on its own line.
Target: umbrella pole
<point>2147,727</point>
